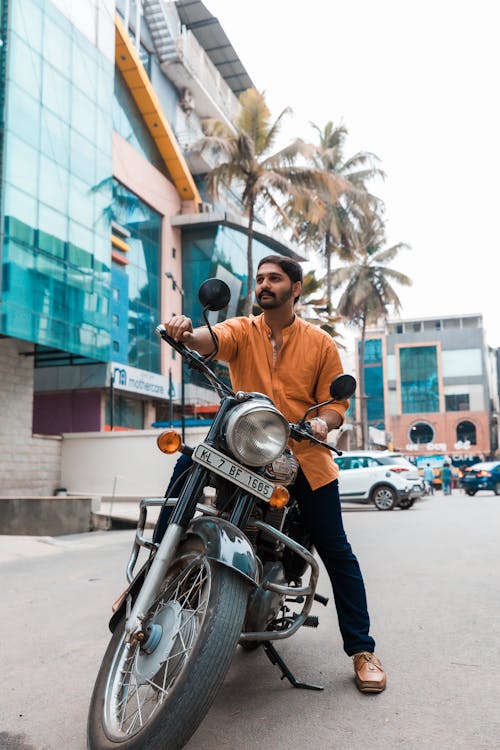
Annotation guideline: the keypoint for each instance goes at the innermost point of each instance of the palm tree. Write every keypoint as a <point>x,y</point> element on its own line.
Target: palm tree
<point>314,308</point>
<point>368,292</point>
<point>264,177</point>
<point>331,226</point>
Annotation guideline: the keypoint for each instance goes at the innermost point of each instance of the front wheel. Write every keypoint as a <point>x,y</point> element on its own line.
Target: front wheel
<point>154,694</point>
<point>384,497</point>
<point>496,488</point>
<point>471,493</point>
<point>406,503</point>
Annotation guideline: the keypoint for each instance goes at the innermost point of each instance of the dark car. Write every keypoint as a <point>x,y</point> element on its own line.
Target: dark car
<point>483,476</point>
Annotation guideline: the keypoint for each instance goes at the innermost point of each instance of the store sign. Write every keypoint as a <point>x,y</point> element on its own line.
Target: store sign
<point>144,383</point>
<point>426,446</point>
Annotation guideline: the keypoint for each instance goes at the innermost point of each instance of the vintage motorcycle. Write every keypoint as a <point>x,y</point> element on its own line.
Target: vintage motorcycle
<point>228,570</point>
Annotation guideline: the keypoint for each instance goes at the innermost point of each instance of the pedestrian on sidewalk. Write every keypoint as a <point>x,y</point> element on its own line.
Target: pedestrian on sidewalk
<point>429,479</point>
<point>446,478</point>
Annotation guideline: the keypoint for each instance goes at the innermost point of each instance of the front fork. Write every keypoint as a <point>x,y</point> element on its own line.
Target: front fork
<point>181,516</point>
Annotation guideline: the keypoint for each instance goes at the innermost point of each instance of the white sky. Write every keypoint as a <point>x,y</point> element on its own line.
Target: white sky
<point>417,84</point>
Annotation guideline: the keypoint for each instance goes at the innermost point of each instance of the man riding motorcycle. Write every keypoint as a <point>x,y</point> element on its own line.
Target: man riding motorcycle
<point>293,362</point>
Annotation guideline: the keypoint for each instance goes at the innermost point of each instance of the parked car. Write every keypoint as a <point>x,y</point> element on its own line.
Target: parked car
<point>384,478</point>
<point>481,476</point>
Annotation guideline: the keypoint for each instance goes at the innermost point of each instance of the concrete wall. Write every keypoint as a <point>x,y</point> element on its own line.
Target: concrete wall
<point>29,465</point>
<point>45,516</point>
<point>123,464</point>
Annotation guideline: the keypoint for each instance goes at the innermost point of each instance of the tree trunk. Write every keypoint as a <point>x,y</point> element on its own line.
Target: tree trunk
<point>328,256</point>
<point>362,394</point>
<point>247,305</point>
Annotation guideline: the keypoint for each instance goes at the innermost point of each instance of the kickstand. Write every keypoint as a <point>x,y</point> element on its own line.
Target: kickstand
<point>275,658</point>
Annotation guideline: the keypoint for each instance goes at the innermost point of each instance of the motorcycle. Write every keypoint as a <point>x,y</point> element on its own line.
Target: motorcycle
<point>229,569</point>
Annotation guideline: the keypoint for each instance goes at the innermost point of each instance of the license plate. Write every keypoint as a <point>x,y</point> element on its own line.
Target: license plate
<point>225,467</point>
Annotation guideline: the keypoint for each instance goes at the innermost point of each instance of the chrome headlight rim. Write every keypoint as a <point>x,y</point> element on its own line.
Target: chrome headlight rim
<point>274,447</point>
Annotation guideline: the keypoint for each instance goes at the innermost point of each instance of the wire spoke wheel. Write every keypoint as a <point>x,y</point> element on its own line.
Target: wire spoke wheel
<point>143,674</point>
<point>154,693</point>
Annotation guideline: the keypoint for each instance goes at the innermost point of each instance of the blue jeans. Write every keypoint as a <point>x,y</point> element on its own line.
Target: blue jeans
<point>322,515</point>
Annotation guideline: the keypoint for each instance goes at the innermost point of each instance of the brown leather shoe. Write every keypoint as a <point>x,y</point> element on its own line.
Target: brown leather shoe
<point>369,673</point>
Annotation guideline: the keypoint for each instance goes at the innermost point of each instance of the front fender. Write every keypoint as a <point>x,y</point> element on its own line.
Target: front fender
<point>227,545</point>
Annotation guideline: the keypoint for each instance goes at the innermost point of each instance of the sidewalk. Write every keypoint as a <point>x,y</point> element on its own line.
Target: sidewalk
<point>111,515</point>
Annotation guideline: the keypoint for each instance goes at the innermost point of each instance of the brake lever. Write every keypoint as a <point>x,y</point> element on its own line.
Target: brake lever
<point>303,432</point>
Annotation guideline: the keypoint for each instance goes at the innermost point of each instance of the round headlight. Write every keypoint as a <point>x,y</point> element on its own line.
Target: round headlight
<point>256,433</point>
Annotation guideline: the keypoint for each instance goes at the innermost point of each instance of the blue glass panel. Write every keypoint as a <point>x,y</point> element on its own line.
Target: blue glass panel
<point>54,184</point>
<point>24,66</point>
<point>54,137</point>
<point>83,114</point>
<point>83,158</point>
<point>23,116</point>
<point>56,290</point>
<point>373,350</point>
<point>419,379</point>
<point>26,17</point>
<point>129,123</point>
<point>53,223</point>
<point>56,91</point>
<point>84,74</point>
<point>137,303</point>
<point>21,204</point>
<point>374,390</point>
<point>57,46</point>
<point>21,165</point>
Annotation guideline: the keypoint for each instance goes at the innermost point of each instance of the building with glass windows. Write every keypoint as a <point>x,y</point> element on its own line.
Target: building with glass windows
<point>431,386</point>
<point>106,227</point>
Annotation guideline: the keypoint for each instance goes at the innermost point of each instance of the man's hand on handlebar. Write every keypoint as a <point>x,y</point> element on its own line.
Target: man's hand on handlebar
<point>319,428</point>
<point>180,328</point>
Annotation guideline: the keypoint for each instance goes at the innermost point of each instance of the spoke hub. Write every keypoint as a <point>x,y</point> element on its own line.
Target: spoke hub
<point>163,631</point>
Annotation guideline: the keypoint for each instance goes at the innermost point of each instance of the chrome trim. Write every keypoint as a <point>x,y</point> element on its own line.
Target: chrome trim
<point>307,591</point>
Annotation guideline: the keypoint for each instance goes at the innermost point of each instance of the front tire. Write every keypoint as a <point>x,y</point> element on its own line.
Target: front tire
<point>384,497</point>
<point>496,488</point>
<point>155,694</point>
<point>406,503</point>
<point>471,493</point>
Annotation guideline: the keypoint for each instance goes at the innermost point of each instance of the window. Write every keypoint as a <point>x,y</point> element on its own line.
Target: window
<point>457,402</point>
<point>466,432</point>
<point>421,433</point>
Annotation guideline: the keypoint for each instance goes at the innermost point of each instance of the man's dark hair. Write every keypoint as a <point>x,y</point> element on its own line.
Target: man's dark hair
<point>292,269</point>
<point>289,266</point>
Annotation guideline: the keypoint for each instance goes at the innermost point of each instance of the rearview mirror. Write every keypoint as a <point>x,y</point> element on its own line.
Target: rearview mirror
<point>343,387</point>
<point>214,294</point>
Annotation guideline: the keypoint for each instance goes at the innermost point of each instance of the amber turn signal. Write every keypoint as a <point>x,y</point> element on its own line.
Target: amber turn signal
<point>280,497</point>
<point>169,441</point>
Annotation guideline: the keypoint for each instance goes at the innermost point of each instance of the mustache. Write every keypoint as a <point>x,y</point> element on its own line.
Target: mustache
<point>270,294</point>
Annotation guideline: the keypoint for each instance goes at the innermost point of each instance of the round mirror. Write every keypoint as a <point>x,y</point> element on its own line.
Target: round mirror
<point>343,387</point>
<point>214,294</point>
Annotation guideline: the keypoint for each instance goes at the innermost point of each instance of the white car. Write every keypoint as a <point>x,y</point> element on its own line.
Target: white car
<point>384,478</point>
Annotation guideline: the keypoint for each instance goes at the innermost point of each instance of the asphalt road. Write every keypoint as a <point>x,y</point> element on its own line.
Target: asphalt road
<point>432,579</point>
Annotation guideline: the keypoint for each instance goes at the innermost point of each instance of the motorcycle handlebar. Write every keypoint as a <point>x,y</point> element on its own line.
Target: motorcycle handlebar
<point>299,431</point>
<point>303,432</point>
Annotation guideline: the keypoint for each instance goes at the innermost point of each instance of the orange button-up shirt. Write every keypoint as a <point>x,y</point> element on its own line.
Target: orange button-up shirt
<point>297,379</point>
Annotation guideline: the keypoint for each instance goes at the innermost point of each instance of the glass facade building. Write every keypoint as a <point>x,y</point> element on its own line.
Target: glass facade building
<point>427,387</point>
<point>57,149</point>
